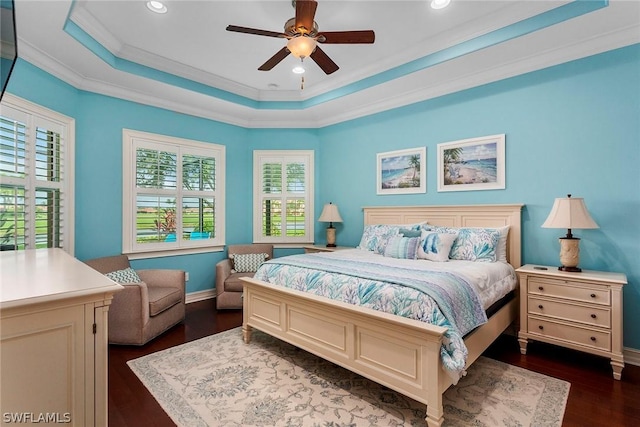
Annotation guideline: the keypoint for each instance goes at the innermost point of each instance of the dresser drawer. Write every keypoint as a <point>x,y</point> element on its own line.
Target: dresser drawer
<point>571,290</point>
<point>590,315</point>
<point>600,340</point>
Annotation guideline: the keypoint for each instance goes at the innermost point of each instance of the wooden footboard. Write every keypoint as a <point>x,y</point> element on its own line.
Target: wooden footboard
<point>399,353</point>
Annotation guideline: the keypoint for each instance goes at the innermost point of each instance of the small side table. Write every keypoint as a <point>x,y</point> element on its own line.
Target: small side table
<point>582,311</point>
<point>312,249</point>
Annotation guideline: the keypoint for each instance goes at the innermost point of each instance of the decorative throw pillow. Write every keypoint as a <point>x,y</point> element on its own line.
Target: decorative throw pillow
<point>402,247</point>
<point>436,246</point>
<point>375,237</point>
<point>410,232</point>
<point>247,263</point>
<point>476,244</point>
<point>128,275</point>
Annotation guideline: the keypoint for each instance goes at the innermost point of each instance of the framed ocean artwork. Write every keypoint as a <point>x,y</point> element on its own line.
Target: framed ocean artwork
<point>472,164</point>
<point>402,171</point>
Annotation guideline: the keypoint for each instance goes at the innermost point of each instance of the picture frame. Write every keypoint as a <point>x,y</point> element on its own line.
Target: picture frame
<point>402,171</point>
<point>472,164</point>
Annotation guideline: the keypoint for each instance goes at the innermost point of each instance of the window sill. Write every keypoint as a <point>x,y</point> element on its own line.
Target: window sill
<point>174,252</point>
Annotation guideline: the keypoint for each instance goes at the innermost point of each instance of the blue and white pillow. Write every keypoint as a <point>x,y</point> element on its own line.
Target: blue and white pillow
<point>402,247</point>
<point>436,246</point>
<point>473,244</point>
<point>376,236</point>
<point>128,275</point>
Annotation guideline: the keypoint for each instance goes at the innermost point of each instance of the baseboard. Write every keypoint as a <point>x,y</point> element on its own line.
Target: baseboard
<point>200,295</point>
<point>631,356</point>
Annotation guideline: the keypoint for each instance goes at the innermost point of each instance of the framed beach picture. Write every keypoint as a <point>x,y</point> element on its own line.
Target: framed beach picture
<point>402,171</point>
<point>472,164</point>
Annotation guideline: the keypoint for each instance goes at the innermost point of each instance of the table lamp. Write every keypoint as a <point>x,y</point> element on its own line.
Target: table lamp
<point>330,214</point>
<point>569,213</point>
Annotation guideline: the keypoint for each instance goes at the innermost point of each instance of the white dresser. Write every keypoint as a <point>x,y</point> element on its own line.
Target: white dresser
<point>582,311</point>
<point>53,339</point>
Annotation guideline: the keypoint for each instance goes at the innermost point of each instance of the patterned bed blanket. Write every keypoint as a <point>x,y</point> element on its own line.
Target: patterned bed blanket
<point>442,298</point>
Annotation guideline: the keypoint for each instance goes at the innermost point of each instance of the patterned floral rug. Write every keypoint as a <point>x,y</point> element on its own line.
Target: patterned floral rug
<point>220,381</point>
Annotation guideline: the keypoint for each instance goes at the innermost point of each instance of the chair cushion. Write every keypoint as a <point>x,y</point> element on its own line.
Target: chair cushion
<point>233,282</point>
<point>162,298</point>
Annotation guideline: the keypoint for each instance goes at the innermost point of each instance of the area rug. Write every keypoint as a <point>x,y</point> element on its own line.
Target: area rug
<point>221,381</point>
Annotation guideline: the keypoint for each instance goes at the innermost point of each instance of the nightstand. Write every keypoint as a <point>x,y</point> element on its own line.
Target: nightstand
<point>312,249</point>
<point>582,311</point>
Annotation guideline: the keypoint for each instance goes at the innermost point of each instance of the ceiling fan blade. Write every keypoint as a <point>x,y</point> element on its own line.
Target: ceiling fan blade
<point>323,61</point>
<point>337,37</point>
<point>257,32</point>
<point>275,59</point>
<point>305,12</point>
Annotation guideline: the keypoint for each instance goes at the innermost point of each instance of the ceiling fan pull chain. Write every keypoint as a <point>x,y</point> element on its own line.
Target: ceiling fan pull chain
<point>301,82</point>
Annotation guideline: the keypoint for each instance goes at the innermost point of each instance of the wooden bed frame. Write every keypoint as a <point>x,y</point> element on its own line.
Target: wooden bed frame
<point>399,353</point>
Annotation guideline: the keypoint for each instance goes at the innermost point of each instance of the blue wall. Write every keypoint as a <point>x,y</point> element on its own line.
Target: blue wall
<point>572,128</point>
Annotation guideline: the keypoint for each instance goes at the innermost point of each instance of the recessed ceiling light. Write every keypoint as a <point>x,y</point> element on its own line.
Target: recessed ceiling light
<point>298,69</point>
<point>156,6</point>
<point>439,4</point>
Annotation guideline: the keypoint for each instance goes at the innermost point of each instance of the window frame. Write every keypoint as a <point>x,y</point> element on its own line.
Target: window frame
<point>33,114</point>
<point>131,141</point>
<point>284,241</point>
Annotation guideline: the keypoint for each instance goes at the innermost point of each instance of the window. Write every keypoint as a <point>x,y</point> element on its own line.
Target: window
<point>283,197</point>
<point>173,195</point>
<point>36,177</point>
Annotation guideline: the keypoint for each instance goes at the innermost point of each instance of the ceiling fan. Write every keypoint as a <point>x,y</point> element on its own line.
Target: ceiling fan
<point>303,35</point>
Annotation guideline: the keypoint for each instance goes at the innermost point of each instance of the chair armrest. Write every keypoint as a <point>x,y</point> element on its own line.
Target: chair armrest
<point>223,270</point>
<point>130,306</point>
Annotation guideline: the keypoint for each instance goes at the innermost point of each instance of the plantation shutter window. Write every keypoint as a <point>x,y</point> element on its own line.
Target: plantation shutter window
<point>173,198</point>
<point>283,197</point>
<point>36,177</point>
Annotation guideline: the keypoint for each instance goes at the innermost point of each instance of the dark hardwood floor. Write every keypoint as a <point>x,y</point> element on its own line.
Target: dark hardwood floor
<point>595,399</point>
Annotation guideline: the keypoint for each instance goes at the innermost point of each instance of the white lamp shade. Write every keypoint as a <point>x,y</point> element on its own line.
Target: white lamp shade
<point>301,46</point>
<point>569,212</point>
<point>330,213</point>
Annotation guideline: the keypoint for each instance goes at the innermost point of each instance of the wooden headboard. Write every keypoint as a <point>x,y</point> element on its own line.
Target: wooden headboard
<point>457,216</point>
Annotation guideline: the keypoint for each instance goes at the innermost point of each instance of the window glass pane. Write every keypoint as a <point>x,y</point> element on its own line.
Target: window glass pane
<point>156,169</point>
<point>198,173</point>
<point>48,155</point>
<point>12,218</point>
<point>48,218</point>
<point>295,178</point>
<point>198,218</point>
<point>271,218</point>
<point>12,148</point>
<point>155,219</point>
<point>272,178</point>
<point>295,217</point>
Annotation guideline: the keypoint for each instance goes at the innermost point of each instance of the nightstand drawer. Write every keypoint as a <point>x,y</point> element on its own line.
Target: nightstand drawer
<point>600,340</point>
<point>571,290</point>
<point>589,315</point>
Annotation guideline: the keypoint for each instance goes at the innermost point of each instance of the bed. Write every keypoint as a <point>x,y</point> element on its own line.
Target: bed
<point>400,353</point>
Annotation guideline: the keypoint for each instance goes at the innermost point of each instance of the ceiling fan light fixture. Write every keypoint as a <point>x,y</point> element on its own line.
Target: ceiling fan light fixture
<point>439,4</point>
<point>301,46</point>
<point>156,6</point>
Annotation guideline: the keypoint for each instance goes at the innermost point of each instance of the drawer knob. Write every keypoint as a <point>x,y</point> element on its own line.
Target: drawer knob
<point>540,307</point>
<point>593,316</point>
<point>593,338</point>
<point>593,295</point>
<point>540,327</point>
<point>540,288</point>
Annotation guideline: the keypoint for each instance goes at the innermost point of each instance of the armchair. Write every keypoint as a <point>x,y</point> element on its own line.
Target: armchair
<point>228,283</point>
<point>145,309</point>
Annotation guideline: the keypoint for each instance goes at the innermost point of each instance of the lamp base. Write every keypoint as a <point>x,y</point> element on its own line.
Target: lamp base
<point>331,237</point>
<point>570,269</point>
